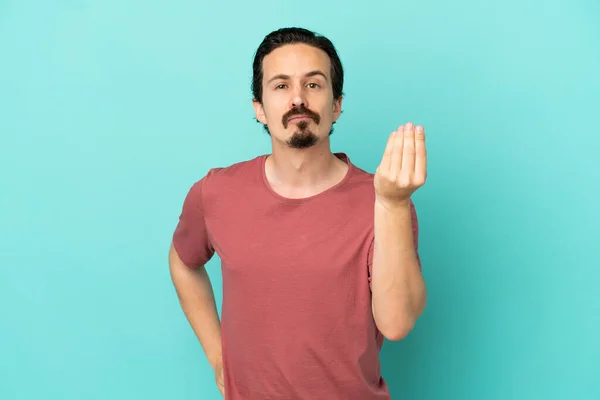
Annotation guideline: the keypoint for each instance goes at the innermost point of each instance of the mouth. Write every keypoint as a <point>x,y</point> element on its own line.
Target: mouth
<point>299,118</point>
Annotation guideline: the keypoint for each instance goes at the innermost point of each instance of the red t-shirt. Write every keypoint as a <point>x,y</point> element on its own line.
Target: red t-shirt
<point>296,317</point>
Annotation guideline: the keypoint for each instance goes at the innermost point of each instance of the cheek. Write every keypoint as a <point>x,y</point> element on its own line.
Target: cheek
<point>273,111</point>
<point>327,112</point>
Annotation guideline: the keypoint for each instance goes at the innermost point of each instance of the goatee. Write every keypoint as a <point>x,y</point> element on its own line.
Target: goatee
<point>303,137</point>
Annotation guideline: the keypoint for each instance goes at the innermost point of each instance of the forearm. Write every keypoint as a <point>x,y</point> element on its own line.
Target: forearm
<point>197,300</point>
<point>397,284</point>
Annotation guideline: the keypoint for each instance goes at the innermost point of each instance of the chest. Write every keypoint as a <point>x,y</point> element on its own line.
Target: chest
<point>267,241</point>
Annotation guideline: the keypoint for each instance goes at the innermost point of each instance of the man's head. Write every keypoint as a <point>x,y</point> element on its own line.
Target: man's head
<point>297,86</point>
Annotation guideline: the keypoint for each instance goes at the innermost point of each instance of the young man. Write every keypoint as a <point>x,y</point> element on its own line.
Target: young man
<point>319,258</point>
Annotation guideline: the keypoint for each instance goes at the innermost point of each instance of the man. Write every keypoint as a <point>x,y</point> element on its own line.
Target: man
<point>319,258</point>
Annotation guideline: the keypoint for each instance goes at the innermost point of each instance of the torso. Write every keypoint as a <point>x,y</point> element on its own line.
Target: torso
<point>296,316</point>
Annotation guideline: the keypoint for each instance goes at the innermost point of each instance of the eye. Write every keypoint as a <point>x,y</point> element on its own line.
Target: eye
<point>313,85</point>
<point>280,86</point>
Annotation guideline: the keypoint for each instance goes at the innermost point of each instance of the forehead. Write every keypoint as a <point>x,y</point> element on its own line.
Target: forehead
<point>296,60</point>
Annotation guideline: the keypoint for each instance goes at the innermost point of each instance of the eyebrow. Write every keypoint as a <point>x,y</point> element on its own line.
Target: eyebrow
<point>308,75</point>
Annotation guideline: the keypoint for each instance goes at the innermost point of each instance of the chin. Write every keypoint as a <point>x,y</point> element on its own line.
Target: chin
<point>303,140</point>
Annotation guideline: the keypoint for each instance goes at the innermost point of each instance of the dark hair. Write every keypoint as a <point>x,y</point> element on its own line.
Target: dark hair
<point>285,36</point>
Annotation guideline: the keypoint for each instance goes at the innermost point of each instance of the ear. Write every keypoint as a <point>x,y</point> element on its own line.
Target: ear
<point>259,111</point>
<point>337,108</point>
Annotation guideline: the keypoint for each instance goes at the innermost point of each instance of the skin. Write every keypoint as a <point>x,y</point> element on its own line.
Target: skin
<point>294,76</point>
<point>197,300</point>
<point>301,165</point>
<point>399,292</point>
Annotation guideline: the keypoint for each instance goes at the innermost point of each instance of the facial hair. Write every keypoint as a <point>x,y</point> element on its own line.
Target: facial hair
<point>303,138</point>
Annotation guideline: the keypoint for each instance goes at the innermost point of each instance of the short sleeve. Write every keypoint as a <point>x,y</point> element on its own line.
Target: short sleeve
<point>415,232</point>
<point>191,238</point>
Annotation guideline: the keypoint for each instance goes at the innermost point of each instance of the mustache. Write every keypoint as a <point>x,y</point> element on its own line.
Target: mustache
<point>300,111</point>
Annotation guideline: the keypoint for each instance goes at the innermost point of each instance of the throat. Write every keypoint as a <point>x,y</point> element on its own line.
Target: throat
<point>304,179</point>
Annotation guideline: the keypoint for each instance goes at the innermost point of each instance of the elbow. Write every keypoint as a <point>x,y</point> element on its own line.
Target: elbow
<point>397,331</point>
<point>395,323</point>
<point>396,326</point>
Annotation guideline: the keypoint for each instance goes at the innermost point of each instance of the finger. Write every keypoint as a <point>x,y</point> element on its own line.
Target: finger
<point>408,151</point>
<point>421,155</point>
<point>396,157</point>
<point>387,154</point>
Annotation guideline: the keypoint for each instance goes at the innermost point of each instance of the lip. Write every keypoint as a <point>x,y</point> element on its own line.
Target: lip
<point>299,118</point>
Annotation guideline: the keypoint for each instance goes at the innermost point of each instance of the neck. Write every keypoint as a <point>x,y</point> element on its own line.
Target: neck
<point>304,172</point>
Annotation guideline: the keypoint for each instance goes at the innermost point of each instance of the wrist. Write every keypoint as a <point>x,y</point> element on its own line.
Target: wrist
<point>396,205</point>
<point>215,361</point>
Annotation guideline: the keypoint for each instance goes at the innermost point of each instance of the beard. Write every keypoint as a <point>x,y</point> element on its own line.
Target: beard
<point>303,138</point>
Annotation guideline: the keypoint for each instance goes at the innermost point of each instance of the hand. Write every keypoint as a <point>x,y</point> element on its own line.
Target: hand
<point>403,168</point>
<point>218,369</point>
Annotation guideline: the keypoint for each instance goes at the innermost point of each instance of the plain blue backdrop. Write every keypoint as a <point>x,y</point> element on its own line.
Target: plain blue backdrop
<point>110,110</point>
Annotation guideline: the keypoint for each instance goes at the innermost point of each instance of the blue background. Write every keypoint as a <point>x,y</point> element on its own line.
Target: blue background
<point>111,109</point>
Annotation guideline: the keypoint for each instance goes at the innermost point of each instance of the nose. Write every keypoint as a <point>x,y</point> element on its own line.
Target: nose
<point>298,97</point>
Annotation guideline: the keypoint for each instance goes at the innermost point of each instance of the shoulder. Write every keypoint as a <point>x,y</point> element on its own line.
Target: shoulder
<point>227,176</point>
<point>359,180</point>
<point>361,177</point>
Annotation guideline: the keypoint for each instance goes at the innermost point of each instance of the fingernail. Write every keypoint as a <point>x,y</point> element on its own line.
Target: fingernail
<point>409,125</point>
<point>419,129</point>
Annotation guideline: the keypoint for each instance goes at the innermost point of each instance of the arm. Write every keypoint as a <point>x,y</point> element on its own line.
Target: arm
<point>196,297</point>
<point>398,288</point>
<point>195,294</point>
<point>189,252</point>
